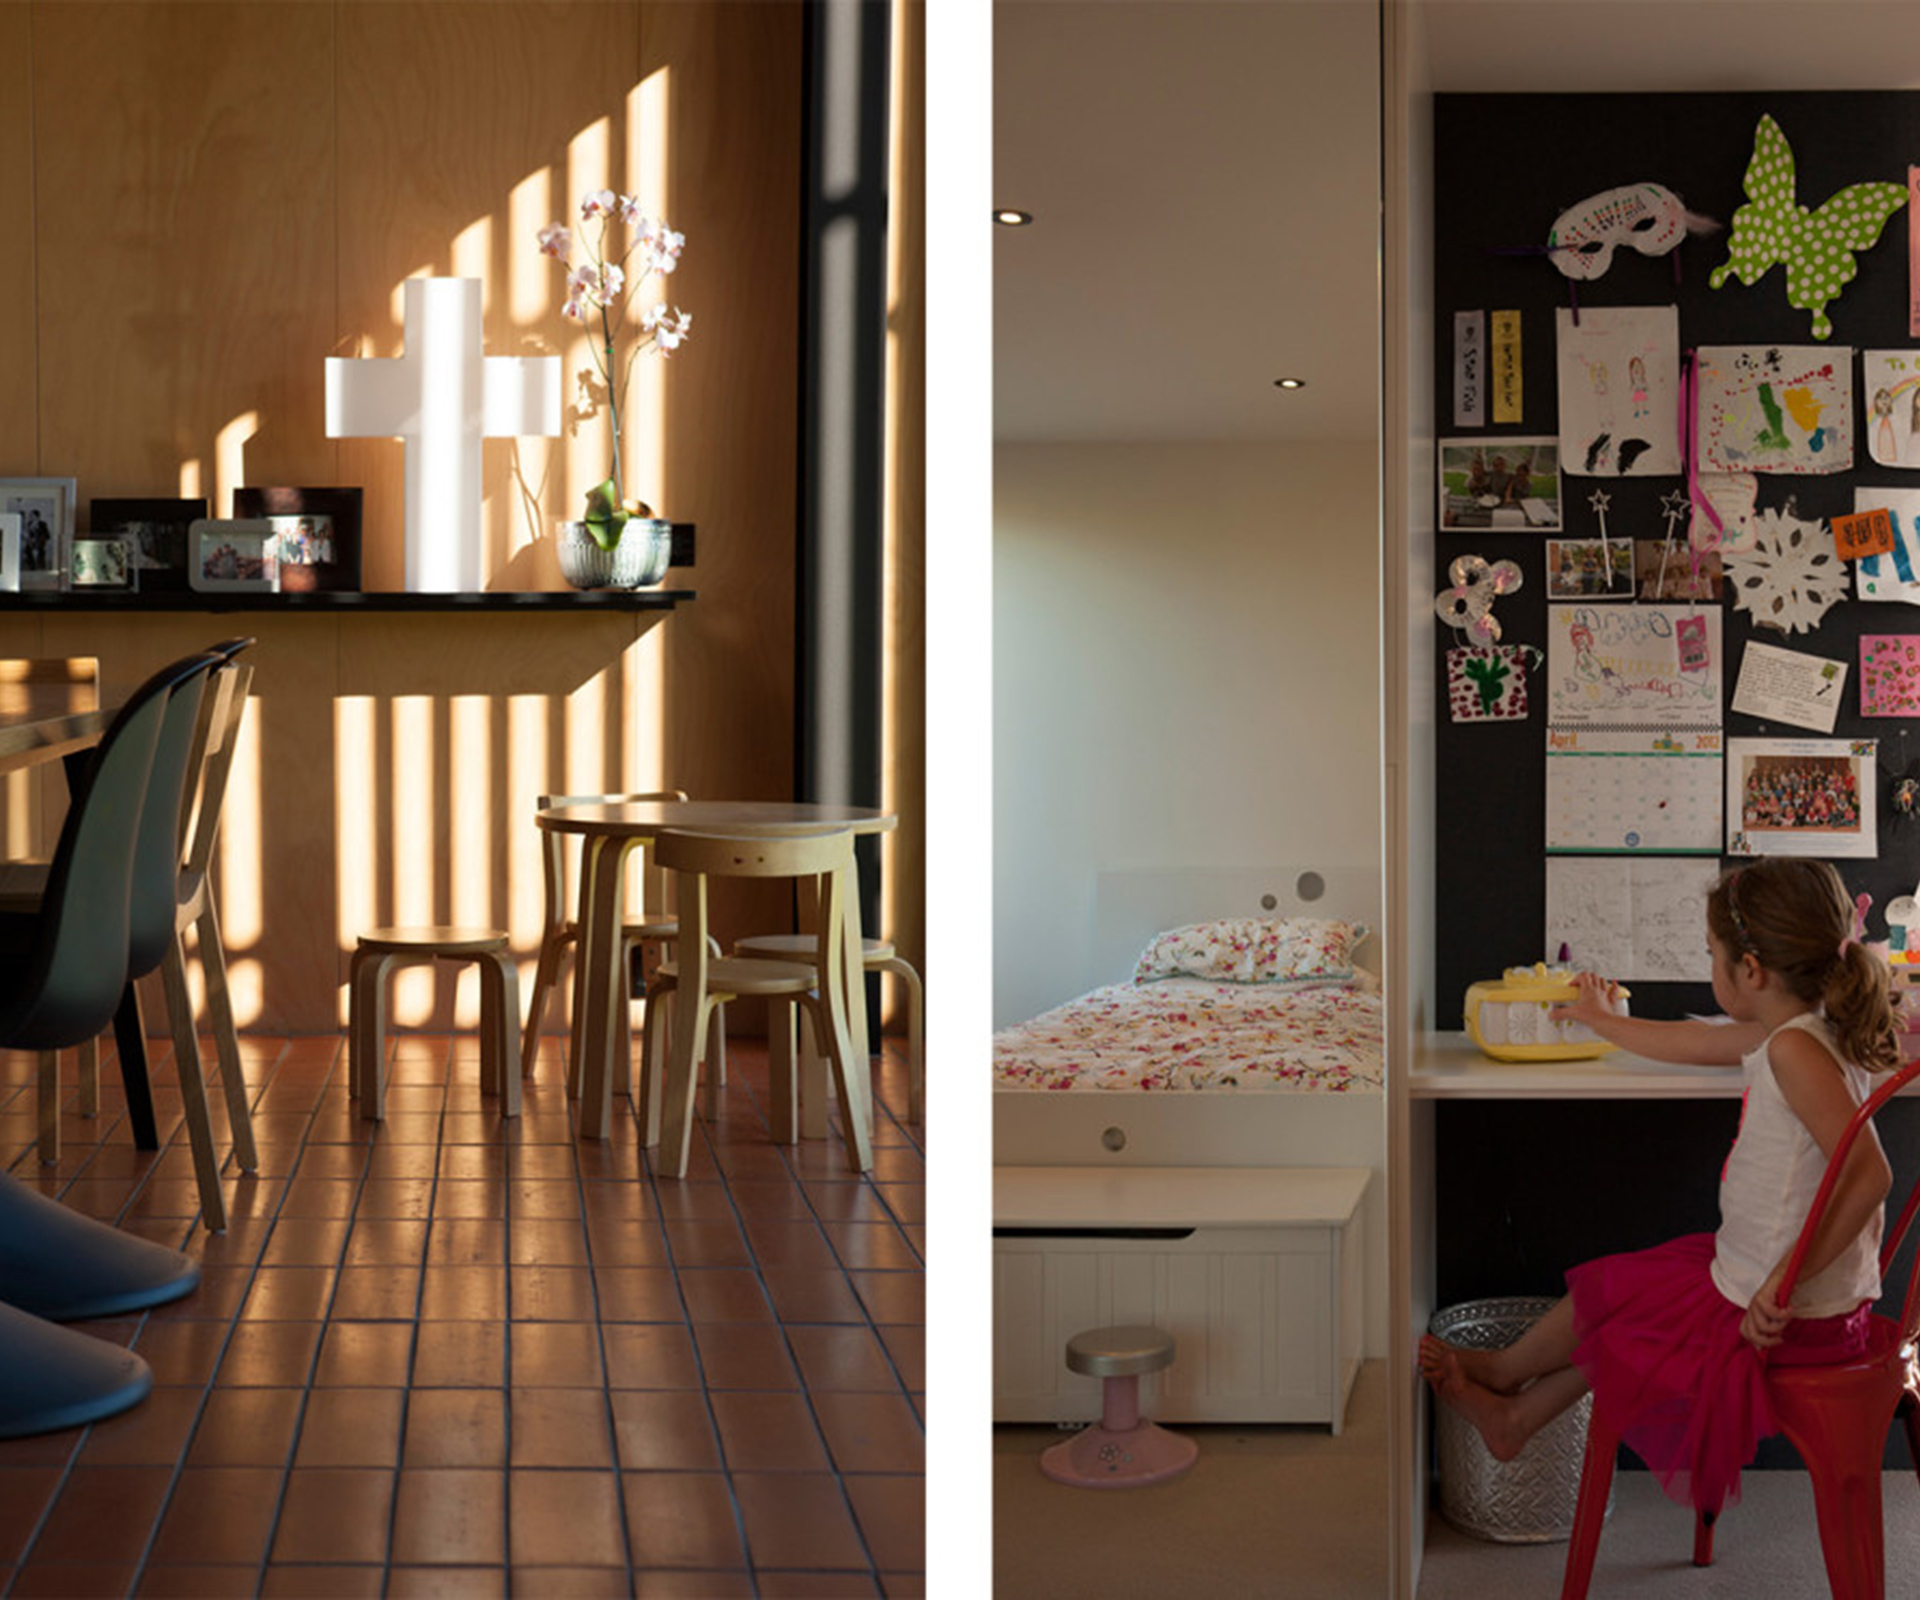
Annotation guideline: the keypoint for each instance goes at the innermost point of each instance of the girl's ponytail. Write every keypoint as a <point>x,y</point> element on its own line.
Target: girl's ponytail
<point>1859,1009</point>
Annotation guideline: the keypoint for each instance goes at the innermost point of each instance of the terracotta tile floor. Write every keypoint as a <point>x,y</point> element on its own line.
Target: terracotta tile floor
<point>456,1357</point>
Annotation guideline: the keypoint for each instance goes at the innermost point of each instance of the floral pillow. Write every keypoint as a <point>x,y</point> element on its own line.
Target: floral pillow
<point>1254,950</point>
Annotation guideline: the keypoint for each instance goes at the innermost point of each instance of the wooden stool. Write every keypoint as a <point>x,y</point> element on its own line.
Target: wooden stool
<point>378,953</point>
<point>1122,1450</point>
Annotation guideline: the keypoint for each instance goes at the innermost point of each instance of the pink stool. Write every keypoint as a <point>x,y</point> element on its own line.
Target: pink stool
<point>1122,1450</point>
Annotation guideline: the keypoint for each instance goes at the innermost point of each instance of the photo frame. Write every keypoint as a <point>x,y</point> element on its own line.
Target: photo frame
<point>1802,797</point>
<point>1501,485</point>
<point>101,565</point>
<point>10,552</point>
<point>233,556</point>
<point>45,508</point>
<point>316,533</point>
<point>157,535</point>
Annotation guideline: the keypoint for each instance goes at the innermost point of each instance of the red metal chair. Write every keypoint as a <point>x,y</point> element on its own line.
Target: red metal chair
<point>1836,1416</point>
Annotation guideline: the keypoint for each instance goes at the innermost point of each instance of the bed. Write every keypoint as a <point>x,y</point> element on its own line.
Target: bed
<point>1190,1072</point>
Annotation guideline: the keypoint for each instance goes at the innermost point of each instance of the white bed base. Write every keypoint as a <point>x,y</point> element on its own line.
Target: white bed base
<point>1115,1131</point>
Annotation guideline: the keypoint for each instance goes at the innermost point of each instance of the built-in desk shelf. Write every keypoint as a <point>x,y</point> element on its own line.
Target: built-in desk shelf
<point>492,602</point>
<point>1449,1066</point>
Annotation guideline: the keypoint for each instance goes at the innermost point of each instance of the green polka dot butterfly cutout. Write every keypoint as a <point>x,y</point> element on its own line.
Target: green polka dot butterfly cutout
<point>1817,247</point>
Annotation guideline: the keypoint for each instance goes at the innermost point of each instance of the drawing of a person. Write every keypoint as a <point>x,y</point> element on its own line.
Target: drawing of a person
<point>1885,448</point>
<point>1637,381</point>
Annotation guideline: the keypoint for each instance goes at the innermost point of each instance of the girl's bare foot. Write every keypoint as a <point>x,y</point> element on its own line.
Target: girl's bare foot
<point>1476,1366</point>
<point>1446,1370</point>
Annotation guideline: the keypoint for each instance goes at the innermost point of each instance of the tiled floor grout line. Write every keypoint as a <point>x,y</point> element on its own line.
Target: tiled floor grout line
<point>508,1158</point>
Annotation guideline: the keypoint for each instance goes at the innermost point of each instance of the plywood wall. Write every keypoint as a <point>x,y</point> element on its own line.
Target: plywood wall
<point>221,195</point>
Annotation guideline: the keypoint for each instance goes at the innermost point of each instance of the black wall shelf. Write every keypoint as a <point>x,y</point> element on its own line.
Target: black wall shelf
<point>492,603</point>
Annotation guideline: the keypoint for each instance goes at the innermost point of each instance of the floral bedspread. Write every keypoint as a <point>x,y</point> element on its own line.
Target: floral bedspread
<point>1190,1034</point>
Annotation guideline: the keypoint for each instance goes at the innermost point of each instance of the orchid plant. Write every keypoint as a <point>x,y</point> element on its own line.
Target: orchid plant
<point>598,293</point>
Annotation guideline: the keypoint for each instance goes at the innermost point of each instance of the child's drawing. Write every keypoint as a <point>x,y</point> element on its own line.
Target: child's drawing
<point>1891,381</point>
<point>1896,575</point>
<point>1619,390</point>
<point>1656,666</point>
<point>1890,675</point>
<point>1775,408</point>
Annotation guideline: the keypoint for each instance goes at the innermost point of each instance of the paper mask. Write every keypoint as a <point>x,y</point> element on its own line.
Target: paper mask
<point>1642,216</point>
<point>1620,391</point>
<point>1488,682</point>
<point>1816,246</point>
<point>1775,408</point>
<point>1789,577</point>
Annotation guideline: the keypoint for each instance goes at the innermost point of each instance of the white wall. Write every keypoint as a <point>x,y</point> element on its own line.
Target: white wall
<point>1186,643</point>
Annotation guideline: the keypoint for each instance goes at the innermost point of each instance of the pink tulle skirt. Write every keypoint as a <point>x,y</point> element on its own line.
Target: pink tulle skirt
<point>1661,1349</point>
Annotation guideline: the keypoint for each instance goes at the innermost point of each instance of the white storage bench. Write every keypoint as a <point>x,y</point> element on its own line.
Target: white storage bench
<point>1255,1271</point>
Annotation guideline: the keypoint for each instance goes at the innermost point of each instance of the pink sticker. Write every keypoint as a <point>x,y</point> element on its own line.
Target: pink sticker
<point>1890,675</point>
<point>1690,633</point>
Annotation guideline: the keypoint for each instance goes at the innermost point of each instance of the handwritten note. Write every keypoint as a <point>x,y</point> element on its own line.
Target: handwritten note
<point>1789,686</point>
<point>1469,369</point>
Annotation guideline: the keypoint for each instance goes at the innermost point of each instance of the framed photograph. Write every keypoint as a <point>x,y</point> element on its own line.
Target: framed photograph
<point>1802,797</point>
<point>10,551</point>
<point>101,564</point>
<point>233,556</point>
<point>45,509</point>
<point>1500,485</point>
<point>316,534</point>
<point>1589,569</point>
<point>155,532</point>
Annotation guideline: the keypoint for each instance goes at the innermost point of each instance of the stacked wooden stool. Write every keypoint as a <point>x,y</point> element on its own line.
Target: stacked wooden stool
<point>376,955</point>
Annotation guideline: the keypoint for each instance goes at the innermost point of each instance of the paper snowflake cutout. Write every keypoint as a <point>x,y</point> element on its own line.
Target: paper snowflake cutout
<point>1789,575</point>
<point>1817,246</point>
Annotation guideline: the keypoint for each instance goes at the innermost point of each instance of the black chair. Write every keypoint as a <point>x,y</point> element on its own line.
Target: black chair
<point>63,966</point>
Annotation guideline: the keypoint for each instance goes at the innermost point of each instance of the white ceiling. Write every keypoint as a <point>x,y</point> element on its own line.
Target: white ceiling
<point>1205,176</point>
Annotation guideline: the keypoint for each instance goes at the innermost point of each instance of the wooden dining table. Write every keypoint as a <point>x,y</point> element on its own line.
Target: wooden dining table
<point>609,834</point>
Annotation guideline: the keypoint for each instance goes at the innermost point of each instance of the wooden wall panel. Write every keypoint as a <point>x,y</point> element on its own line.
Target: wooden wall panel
<point>19,432</point>
<point>184,230</point>
<point>448,109</point>
<point>732,415</point>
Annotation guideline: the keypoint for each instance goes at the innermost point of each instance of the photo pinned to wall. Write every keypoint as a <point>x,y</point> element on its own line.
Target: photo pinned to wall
<point>1896,574</point>
<point>316,535</point>
<point>1674,570</point>
<point>45,509</point>
<point>1789,686</point>
<point>1802,797</point>
<point>1619,376</point>
<point>1890,675</point>
<point>1774,408</point>
<point>155,532</point>
<point>9,552</point>
<point>1590,569</point>
<point>233,556</point>
<point>1506,485</point>
<point>102,564</point>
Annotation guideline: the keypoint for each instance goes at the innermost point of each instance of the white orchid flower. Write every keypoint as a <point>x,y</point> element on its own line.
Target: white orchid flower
<point>599,203</point>
<point>630,212</point>
<point>556,241</point>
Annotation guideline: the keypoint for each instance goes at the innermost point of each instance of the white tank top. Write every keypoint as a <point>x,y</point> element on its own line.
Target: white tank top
<point>1767,1188</point>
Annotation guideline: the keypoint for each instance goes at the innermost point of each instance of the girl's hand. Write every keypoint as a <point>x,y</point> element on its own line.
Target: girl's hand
<point>1594,1002</point>
<point>1765,1322</point>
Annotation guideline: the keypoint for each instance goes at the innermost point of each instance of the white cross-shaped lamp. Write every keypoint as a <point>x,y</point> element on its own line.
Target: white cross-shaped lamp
<point>441,398</point>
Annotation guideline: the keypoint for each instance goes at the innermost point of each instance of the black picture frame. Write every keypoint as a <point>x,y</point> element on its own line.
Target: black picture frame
<point>156,533</point>
<point>336,514</point>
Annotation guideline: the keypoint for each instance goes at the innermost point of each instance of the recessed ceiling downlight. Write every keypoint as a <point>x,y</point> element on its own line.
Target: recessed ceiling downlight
<point>1009,218</point>
<point>1289,383</point>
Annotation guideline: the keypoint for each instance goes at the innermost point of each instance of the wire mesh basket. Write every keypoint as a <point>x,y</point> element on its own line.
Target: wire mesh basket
<point>1530,1499</point>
